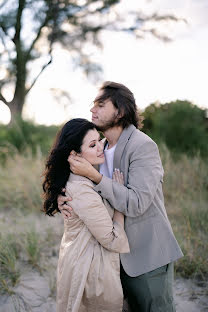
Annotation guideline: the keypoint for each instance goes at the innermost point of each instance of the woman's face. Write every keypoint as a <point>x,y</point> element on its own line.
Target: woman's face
<point>92,148</point>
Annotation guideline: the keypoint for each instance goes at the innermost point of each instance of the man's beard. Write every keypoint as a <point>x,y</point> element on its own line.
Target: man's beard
<point>114,121</point>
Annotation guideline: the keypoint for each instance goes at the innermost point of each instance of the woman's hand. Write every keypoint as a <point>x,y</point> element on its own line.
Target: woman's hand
<point>118,176</point>
<point>81,166</point>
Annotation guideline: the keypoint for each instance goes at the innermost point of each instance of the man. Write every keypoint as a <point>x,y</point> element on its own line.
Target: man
<point>147,271</point>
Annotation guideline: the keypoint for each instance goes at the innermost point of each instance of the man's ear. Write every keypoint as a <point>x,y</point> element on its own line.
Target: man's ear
<point>120,114</point>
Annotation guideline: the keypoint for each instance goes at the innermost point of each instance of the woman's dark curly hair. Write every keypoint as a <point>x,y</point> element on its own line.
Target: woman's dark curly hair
<point>57,169</point>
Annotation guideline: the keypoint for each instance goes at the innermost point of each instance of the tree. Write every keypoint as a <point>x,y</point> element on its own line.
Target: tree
<point>180,124</point>
<point>27,25</point>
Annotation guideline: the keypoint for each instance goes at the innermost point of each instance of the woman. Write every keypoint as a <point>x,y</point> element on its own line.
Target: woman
<point>88,274</point>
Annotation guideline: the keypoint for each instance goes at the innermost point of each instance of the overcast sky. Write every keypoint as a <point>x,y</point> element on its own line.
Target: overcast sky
<point>152,69</point>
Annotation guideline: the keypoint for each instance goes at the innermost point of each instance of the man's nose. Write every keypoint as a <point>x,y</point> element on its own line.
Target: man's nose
<point>92,110</point>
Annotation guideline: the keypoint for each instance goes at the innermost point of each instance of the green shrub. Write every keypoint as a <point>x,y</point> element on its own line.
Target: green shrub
<point>181,125</point>
<point>24,135</point>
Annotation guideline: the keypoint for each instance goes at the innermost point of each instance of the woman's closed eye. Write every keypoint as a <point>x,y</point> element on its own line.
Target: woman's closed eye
<point>93,145</point>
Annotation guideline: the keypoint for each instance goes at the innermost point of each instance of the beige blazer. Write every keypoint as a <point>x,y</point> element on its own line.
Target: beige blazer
<point>88,274</point>
<point>151,239</point>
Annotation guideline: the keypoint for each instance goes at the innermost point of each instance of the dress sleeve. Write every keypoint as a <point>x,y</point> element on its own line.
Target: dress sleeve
<point>88,205</point>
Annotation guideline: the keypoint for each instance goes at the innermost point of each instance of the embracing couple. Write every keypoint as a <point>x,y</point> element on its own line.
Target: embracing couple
<point>118,242</point>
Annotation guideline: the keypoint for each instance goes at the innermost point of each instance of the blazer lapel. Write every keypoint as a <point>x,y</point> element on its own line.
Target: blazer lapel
<point>122,141</point>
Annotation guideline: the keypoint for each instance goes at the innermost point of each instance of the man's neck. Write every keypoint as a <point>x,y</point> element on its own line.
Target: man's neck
<point>112,135</point>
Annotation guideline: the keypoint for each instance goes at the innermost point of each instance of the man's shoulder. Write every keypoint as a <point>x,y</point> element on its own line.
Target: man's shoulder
<point>139,138</point>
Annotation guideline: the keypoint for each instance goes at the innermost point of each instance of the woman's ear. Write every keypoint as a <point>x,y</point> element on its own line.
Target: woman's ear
<point>73,153</point>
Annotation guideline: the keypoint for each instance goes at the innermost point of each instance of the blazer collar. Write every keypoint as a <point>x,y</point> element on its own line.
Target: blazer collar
<point>122,141</point>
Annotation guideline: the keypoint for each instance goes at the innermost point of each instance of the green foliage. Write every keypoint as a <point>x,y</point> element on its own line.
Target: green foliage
<point>181,125</point>
<point>23,136</point>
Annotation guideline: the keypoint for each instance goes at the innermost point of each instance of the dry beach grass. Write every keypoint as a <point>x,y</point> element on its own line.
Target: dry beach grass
<point>29,241</point>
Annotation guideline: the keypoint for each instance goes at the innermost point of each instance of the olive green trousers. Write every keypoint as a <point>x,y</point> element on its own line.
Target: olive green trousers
<point>150,292</point>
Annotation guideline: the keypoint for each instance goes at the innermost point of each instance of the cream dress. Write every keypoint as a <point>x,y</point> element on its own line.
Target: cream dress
<point>88,273</point>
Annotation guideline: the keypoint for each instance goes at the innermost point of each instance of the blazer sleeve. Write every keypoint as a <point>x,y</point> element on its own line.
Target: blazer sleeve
<point>145,173</point>
<point>88,205</point>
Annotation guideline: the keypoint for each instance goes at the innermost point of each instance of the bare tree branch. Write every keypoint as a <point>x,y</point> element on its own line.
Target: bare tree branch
<point>159,35</point>
<point>36,78</point>
<point>2,98</point>
<point>158,18</point>
<point>37,36</point>
<point>18,21</point>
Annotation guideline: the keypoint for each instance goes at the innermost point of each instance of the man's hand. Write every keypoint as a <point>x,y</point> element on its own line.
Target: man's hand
<point>118,176</point>
<point>63,207</point>
<point>81,166</point>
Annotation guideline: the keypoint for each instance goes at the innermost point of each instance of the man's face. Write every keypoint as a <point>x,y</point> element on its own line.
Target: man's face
<point>104,114</point>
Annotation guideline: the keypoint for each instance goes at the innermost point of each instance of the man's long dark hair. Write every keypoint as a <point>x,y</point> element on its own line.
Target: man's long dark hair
<point>123,99</point>
<point>57,169</point>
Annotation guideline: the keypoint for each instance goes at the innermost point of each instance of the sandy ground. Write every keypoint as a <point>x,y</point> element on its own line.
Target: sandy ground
<point>35,292</point>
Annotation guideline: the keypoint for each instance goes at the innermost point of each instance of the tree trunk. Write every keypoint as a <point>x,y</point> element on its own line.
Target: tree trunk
<point>16,107</point>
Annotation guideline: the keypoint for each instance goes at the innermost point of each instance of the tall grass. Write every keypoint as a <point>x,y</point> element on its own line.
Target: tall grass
<point>33,247</point>
<point>20,182</point>
<point>9,270</point>
<point>186,198</point>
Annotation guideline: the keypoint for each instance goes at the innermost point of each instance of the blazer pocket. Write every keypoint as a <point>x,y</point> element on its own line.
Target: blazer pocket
<point>158,271</point>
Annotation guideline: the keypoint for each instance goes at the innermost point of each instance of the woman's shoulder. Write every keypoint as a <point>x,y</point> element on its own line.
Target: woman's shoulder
<point>77,182</point>
<point>77,178</point>
<point>82,192</point>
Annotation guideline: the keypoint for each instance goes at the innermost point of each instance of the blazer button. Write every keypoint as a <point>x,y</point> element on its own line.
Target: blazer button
<point>99,192</point>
